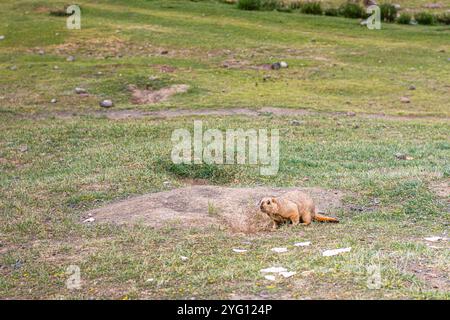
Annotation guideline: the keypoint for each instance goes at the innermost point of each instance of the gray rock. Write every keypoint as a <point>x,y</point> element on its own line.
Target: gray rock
<point>79,90</point>
<point>107,103</point>
<point>296,122</point>
<point>13,68</point>
<point>53,100</point>
<point>283,64</point>
<point>70,58</point>
<point>405,100</point>
<point>41,52</point>
<point>350,114</point>
<point>412,87</point>
<point>55,68</point>
<point>276,66</point>
<point>2,37</point>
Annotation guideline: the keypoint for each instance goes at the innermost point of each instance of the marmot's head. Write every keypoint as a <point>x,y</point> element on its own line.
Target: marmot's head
<point>269,205</point>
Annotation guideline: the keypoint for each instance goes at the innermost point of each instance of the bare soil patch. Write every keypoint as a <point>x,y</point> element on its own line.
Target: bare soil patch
<point>233,209</point>
<point>149,96</point>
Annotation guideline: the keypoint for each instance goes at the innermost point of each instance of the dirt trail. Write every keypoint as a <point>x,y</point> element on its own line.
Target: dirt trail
<point>234,209</point>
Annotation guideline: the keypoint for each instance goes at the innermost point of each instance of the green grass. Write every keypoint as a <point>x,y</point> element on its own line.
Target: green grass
<point>74,163</point>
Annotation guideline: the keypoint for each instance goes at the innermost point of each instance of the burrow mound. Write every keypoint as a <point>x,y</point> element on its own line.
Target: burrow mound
<point>234,209</point>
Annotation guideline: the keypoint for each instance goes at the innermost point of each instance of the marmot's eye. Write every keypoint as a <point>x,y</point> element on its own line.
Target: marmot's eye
<point>268,201</point>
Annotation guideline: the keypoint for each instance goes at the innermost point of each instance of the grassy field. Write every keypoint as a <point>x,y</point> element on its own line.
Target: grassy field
<point>58,160</point>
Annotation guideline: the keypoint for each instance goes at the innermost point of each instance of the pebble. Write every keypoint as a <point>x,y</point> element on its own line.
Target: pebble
<point>2,37</point>
<point>53,101</point>
<point>412,87</point>
<point>79,90</point>
<point>296,122</point>
<point>13,68</point>
<point>107,103</point>
<point>70,58</point>
<point>283,64</point>
<point>405,100</point>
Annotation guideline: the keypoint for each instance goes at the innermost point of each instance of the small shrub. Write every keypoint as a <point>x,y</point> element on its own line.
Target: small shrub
<point>443,18</point>
<point>332,12</point>
<point>388,12</point>
<point>312,8</point>
<point>295,4</point>
<point>270,4</point>
<point>351,10</point>
<point>249,4</point>
<point>404,18</point>
<point>424,18</point>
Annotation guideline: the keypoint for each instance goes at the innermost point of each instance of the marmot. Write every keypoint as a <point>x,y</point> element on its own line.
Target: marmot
<point>294,206</point>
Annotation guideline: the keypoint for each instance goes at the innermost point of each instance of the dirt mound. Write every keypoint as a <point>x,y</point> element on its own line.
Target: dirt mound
<point>147,96</point>
<point>202,206</point>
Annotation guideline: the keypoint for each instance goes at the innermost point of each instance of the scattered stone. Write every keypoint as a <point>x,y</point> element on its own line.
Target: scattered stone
<point>79,90</point>
<point>53,100</point>
<point>183,258</point>
<point>266,77</point>
<point>2,38</point>
<point>13,68</point>
<point>107,103</point>
<point>70,58</point>
<point>436,239</point>
<point>23,148</point>
<point>279,250</point>
<point>41,52</point>
<point>239,250</point>
<point>333,252</point>
<point>402,156</point>
<point>273,270</point>
<point>276,66</point>
<point>288,274</point>
<point>412,87</point>
<point>17,265</point>
<point>270,277</point>
<point>350,114</point>
<point>164,52</point>
<point>55,68</point>
<point>433,6</point>
<point>150,280</point>
<point>153,78</point>
<point>89,220</point>
<point>283,64</point>
<point>405,100</point>
<point>296,122</point>
<point>302,244</point>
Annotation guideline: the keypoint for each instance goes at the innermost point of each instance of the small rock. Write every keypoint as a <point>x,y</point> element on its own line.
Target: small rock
<point>279,250</point>
<point>153,78</point>
<point>402,156</point>
<point>239,250</point>
<point>17,265</point>
<point>55,68</point>
<point>412,87</point>
<point>183,258</point>
<point>41,52</point>
<point>405,100</point>
<point>79,90</point>
<point>329,253</point>
<point>436,239</point>
<point>89,220</point>
<point>164,52</point>
<point>2,38</point>
<point>53,100</point>
<point>107,103</point>
<point>270,277</point>
<point>70,58</point>
<point>13,68</point>
<point>350,114</point>
<point>288,274</point>
<point>23,148</point>
<point>296,122</point>
<point>283,64</point>
<point>276,66</point>
<point>150,280</point>
<point>273,270</point>
<point>302,244</point>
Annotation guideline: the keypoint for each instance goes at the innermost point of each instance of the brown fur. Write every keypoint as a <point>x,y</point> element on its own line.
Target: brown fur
<point>294,206</point>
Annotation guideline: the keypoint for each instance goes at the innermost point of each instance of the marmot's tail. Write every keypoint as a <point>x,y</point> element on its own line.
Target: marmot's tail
<point>322,218</point>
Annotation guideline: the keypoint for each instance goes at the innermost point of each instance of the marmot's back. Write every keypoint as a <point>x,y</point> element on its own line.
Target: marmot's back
<point>302,200</point>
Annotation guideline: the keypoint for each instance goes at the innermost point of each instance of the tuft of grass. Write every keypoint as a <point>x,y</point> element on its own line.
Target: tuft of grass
<point>314,8</point>
<point>404,18</point>
<point>249,5</point>
<point>351,10</point>
<point>443,18</point>
<point>425,18</point>
<point>388,12</point>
